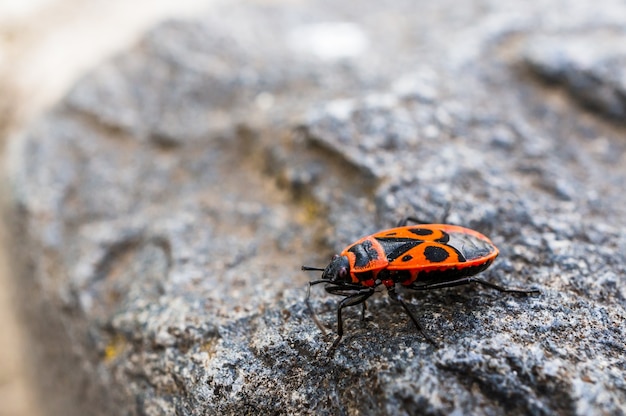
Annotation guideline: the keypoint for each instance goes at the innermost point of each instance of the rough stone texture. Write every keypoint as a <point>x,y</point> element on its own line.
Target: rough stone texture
<point>163,209</point>
<point>591,63</point>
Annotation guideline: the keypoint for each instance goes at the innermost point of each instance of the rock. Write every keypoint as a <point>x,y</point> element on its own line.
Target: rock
<point>162,211</point>
<point>589,63</point>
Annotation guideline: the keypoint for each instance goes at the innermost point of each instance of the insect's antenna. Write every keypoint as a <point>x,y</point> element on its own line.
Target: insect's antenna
<point>307,268</point>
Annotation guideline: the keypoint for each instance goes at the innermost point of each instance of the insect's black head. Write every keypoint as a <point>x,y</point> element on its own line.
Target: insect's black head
<point>338,270</point>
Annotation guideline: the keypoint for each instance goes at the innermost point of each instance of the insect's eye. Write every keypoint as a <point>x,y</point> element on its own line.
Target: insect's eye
<point>343,273</point>
<point>335,257</point>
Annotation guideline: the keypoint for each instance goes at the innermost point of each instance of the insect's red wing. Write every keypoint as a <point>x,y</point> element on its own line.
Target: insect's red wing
<point>435,246</point>
<point>424,232</point>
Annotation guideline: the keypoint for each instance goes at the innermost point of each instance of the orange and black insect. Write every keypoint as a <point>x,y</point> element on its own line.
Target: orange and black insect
<point>418,257</point>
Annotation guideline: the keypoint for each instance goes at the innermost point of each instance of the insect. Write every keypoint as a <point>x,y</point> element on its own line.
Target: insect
<point>418,257</point>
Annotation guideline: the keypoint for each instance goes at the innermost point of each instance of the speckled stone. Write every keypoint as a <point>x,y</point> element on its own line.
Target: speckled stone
<point>161,213</point>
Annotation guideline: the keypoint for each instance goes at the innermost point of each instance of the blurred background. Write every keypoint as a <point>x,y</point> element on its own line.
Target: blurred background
<point>45,45</point>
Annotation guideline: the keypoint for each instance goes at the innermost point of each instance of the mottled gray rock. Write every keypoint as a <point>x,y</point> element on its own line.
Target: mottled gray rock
<point>591,64</point>
<point>161,213</point>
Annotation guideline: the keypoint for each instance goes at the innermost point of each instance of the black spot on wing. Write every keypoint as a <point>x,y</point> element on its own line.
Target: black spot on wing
<point>408,257</point>
<point>420,231</point>
<point>426,232</point>
<point>435,254</point>
<point>364,253</point>
<point>395,247</point>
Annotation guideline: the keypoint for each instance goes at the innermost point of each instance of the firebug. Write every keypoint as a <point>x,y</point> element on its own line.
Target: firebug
<point>417,257</point>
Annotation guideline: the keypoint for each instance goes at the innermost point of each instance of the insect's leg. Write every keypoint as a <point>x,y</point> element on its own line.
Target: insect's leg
<point>468,280</point>
<point>351,300</point>
<point>404,221</point>
<point>344,289</point>
<point>394,296</point>
<point>363,310</point>
<point>347,289</point>
<point>308,304</point>
<point>446,213</point>
<point>502,288</point>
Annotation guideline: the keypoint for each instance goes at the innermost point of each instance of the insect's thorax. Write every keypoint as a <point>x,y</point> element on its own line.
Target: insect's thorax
<point>367,258</point>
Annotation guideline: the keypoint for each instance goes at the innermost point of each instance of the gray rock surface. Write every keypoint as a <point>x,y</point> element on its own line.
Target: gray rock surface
<point>590,63</point>
<point>161,212</point>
